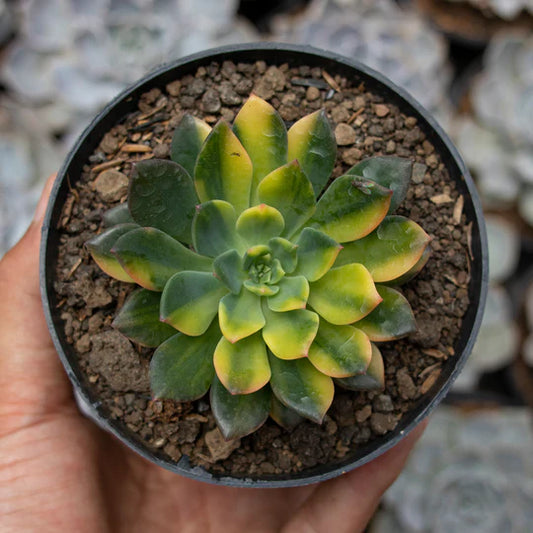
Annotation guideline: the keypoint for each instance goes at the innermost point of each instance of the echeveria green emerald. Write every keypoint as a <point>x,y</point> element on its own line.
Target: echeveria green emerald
<point>259,283</point>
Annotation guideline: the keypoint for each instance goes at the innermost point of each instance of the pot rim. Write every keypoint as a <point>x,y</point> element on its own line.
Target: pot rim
<point>306,55</point>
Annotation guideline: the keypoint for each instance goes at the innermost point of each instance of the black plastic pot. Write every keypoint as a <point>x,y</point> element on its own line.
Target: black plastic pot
<point>272,53</point>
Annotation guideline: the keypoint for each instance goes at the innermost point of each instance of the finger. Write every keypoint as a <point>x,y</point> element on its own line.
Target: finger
<point>31,378</point>
<point>347,503</point>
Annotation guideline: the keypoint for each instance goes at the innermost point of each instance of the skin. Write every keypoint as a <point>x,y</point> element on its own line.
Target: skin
<point>61,473</point>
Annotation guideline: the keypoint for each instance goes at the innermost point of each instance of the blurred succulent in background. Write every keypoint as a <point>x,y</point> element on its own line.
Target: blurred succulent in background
<point>497,140</point>
<point>86,52</point>
<point>396,42</point>
<point>70,57</point>
<point>26,154</point>
<point>300,287</point>
<point>505,9</point>
<point>471,472</point>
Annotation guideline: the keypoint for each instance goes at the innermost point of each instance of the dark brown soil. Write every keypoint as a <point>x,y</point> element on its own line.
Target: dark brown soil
<point>117,370</point>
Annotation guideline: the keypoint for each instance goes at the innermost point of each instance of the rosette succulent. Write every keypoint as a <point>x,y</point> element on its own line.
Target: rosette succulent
<point>252,288</point>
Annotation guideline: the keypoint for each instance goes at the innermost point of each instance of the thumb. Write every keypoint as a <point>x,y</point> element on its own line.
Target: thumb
<point>32,381</point>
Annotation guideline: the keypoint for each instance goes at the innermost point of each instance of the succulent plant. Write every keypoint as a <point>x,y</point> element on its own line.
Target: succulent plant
<point>251,288</point>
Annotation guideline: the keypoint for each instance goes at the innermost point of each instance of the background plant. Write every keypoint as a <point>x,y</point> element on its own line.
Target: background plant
<point>275,295</point>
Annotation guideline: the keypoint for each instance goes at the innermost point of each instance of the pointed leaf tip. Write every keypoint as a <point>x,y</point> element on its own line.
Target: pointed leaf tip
<point>312,142</point>
<point>224,169</point>
<point>238,415</point>
<point>263,134</point>
<point>242,367</point>
<point>390,251</point>
<point>350,208</point>
<point>187,141</point>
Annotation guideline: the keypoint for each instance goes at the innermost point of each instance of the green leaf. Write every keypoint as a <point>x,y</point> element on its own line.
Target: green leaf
<point>240,315</point>
<point>260,289</point>
<point>228,269</point>
<point>187,141</point>
<point>350,208</point>
<point>243,366</point>
<point>390,251</point>
<point>138,319</point>
<point>238,415</point>
<point>224,169</point>
<point>213,229</point>
<point>293,293</point>
<point>182,368</point>
<point>190,301</point>
<point>413,271</point>
<point>289,334</point>
<point>263,135</point>
<point>372,380</point>
<point>392,319</point>
<point>340,351</point>
<point>312,143</point>
<point>393,173</point>
<point>151,257</point>
<point>100,249</point>
<point>316,253</point>
<point>119,214</point>
<point>258,224</point>
<point>301,387</point>
<point>344,295</point>
<point>285,251</point>
<point>288,190</point>
<point>285,417</point>
<point>162,196</point>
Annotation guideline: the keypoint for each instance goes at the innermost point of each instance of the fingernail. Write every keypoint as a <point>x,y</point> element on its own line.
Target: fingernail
<point>43,200</point>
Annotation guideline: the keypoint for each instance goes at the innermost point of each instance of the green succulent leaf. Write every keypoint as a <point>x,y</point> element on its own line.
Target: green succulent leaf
<point>390,251</point>
<point>316,253</point>
<point>301,387</point>
<point>228,269</point>
<point>412,272</point>
<point>162,196</point>
<point>120,214</point>
<point>213,229</point>
<point>293,293</point>
<point>100,249</point>
<point>350,208</point>
<point>240,315</point>
<point>288,190</point>
<point>223,169</point>
<point>182,367</point>
<point>151,257</point>
<point>263,135</point>
<point>259,224</point>
<point>260,289</point>
<point>187,141</point>
<point>394,173</point>
<point>340,351</point>
<point>255,253</point>
<point>138,319</point>
<point>238,415</point>
<point>372,380</point>
<point>285,417</point>
<point>290,334</point>
<point>243,366</point>
<point>312,142</point>
<point>190,301</point>
<point>285,251</point>
<point>344,295</point>
<point>392,319</point>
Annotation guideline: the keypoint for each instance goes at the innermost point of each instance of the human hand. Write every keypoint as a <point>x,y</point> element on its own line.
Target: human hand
<point>61,473</point>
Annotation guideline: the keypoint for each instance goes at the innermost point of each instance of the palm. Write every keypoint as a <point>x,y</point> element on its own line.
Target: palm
<point>59,472</point>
